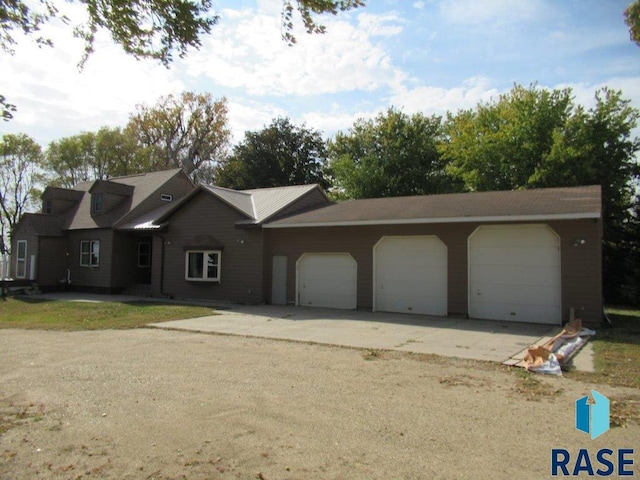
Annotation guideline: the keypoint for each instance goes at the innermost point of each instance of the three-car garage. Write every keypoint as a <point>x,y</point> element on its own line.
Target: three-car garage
<point>529,256</point>
<point>514,274</point>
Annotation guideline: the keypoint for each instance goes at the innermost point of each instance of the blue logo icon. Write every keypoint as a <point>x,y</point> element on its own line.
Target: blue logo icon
<point>593,417</point>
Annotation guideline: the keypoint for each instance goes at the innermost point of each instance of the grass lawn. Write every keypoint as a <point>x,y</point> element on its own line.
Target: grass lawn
<point>617,350</point>
<point>36,313</point>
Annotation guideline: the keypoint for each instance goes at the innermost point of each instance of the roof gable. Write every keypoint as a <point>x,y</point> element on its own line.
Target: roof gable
<point>257,205</point>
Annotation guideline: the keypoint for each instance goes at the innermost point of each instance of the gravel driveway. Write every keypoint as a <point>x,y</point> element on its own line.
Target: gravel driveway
<point>153,404</point>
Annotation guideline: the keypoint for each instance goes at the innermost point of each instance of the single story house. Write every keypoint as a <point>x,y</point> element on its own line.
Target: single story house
<point>524,256</point>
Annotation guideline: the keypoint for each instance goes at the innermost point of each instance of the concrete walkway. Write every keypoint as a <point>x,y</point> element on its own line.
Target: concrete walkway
<point>452,337</point>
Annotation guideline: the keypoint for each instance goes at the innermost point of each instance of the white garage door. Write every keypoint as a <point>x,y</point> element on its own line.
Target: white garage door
<point>411,275</point>
<point>514,274</point>
<point>327,280</point>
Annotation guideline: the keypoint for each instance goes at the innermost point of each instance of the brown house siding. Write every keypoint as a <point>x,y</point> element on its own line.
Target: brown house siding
<point>581,266</point>
<point>207,223</point>
<point>92,277</point>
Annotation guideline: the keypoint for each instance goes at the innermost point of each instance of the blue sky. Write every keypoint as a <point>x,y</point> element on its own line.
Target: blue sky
<point>429,56</point>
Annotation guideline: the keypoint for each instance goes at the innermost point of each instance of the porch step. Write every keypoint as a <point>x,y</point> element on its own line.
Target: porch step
<point>139,290</point>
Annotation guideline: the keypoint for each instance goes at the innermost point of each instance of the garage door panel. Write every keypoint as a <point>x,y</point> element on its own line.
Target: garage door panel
<point>508,275</point>
<point>397,287</point>
<point>514,273</point>
<point>411,275</point>
<point>327,280</point>
<point>519,256</point>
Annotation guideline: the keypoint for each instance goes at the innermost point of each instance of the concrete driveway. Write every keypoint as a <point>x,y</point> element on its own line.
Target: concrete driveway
<point>471,339</point>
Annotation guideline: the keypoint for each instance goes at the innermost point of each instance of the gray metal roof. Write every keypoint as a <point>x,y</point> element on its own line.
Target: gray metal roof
<point>260,204</point>
<point>237,199</point>
<point>518,205</point>
<point>269,201</point>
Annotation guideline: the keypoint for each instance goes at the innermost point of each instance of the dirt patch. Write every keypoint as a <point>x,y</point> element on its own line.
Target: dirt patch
<point>152,404</point>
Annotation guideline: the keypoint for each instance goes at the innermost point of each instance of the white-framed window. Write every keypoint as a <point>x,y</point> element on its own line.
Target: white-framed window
<point>202,265</point>
<point>89,253</point>
<point>166,197</point>
<point>97,202</point>
<point>21,259</point>
<point>144,254</point>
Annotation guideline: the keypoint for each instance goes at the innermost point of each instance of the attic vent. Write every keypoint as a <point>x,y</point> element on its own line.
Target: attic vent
<point>166,197</point>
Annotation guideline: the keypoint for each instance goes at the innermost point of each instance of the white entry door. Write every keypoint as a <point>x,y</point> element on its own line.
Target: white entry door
<point>514,274</point>
<point>327,280</point>
<point>411,275</point>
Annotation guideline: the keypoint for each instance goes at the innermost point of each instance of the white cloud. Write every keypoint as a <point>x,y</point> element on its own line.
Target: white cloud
<point>53,95</point>
<point>386,25</point>
<point>248,53</point>
<point>584,93</point>
<point>250,116</point>
<point>419,5</point>
<point>329,123</point>
<point>437,100</point>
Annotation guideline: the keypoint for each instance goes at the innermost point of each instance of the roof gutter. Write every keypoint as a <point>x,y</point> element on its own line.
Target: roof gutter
<point>433,220</point>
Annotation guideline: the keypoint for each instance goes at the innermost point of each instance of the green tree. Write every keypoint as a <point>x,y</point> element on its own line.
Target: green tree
<point>501,144</point>
<point>533,137</point>
<point>280,154</point>
<point>72,160</point>
<point>189,131</point>
<point>153,29</point>
<point>120,153</point>
<point>109,152</point>
<point>20,164</point>
<point>632,18</point>
<point>392,155</point>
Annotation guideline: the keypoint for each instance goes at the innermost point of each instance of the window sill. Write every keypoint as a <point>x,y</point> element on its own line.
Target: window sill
<point>206,280</point>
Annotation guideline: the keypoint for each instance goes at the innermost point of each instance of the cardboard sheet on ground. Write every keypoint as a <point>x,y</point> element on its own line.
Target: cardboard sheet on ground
<point>557,353</point>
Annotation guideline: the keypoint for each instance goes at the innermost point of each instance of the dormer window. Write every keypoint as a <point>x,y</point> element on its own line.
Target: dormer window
<point>47,206</point>
<point>97,202</point>
<point>166,197</point>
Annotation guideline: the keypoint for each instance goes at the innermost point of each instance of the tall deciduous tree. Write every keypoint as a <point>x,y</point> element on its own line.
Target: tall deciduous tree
<point>189,131</point>
<point>392,155</point>
<point>121,154</point>
<point>20,164</point>
<point>109,152</point>
<point>72,160</point>
<point>280,154</point>
<point>501,144</point>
